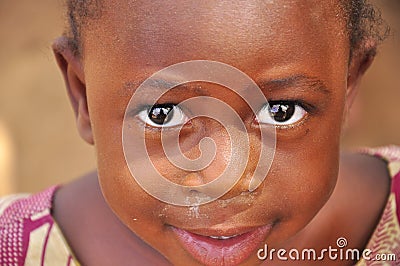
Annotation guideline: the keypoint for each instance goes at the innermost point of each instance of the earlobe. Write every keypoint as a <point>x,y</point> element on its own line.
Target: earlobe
<point>73,74</point>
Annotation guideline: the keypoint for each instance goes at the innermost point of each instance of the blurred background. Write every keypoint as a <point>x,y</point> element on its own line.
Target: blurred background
<point>39,143</point>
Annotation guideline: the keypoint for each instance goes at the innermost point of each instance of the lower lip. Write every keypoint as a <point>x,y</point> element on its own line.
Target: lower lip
<point>230,251</point>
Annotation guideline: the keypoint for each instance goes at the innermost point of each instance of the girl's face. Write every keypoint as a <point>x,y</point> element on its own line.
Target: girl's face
<point>296,51</point>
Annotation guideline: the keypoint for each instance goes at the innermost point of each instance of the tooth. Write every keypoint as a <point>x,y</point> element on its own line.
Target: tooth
<point>222,237</point>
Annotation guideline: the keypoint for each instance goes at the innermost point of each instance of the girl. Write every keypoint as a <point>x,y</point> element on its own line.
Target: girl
<point>128,68</point>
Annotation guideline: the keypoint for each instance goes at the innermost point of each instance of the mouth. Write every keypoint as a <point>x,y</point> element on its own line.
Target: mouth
<point>231,247</point>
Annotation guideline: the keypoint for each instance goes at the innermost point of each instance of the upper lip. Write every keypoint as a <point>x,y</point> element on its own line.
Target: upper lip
<point>223,231</point>
<point>214,220</point>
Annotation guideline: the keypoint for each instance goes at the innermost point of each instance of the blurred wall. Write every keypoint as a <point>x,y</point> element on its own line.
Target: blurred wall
<point>42,145</point>
<point>34,106</point>
<point>378,107</point>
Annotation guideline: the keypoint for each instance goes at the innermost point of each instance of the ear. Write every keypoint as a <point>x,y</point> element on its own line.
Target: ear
<point>71,68</point>
<point>360,61</point>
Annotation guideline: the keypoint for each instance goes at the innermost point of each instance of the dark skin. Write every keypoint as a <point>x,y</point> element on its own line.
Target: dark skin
<point>309,202</point>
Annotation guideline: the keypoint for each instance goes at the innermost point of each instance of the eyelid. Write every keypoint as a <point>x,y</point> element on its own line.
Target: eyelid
<point>306,106</point>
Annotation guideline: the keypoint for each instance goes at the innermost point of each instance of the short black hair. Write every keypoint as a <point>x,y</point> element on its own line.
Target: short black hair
<point>79,14</point>
<point>364,21</point>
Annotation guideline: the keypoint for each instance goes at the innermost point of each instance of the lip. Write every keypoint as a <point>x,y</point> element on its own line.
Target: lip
<point>203,246</point>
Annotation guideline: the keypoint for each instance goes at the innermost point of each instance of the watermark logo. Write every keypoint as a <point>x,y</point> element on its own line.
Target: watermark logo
<point>338,252</point>
<point>134,144</point>
<point>341,242</point>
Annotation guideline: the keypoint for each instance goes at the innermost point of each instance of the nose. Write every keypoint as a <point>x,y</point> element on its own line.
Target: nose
<point>236,161</point>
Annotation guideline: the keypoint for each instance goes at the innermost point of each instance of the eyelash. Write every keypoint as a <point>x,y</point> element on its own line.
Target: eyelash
<point>308,108</point>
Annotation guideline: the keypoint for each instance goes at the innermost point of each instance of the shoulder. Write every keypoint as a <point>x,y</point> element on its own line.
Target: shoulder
<point>391,156</point>
<point>359,198</point>
<point>361,206</point>
<point>363,188</point>
<point>386,236</point>
<point>15,209</point>
<point>363,179</point>
<point>27,228</point>
<point>370,178</point>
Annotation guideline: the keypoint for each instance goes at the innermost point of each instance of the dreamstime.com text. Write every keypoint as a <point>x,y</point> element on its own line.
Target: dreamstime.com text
<point>340,252</point>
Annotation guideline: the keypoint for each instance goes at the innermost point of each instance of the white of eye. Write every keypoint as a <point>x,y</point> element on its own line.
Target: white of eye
<point>174,117</point>
<point>281,114</point>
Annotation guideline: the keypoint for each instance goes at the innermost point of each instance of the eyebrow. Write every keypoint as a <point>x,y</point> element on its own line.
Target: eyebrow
<point>298,81</point>
<point>302,82</point>
<point>132,86</point>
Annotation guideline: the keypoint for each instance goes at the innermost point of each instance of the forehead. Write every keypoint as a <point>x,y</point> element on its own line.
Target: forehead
<point>164,32</point>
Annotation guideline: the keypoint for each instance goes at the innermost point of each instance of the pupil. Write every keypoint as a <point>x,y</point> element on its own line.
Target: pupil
<point>161,114</point>
<point>281,112</point>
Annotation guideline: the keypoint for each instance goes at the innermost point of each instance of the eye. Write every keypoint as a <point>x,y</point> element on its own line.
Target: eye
<point>163,115</point>
<point>281,113</point>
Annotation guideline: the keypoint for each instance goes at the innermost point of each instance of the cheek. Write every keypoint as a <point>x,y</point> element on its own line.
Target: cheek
<point>302,178</point>
<point>140,212</point>
<point>133,206</point>
<point>120,190</point>
<point>306,180</point>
